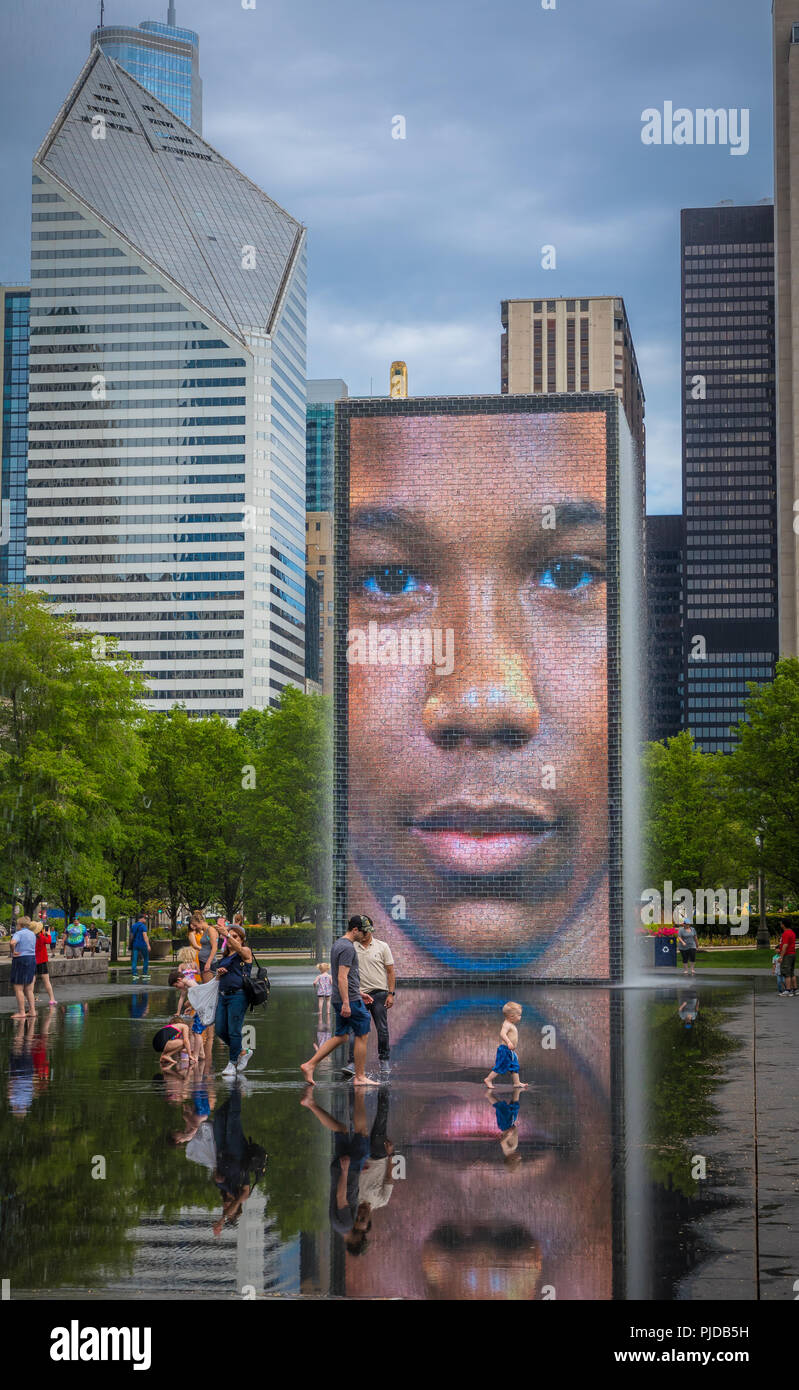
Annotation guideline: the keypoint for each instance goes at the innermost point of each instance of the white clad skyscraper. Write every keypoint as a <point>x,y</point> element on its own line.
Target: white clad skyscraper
<point>166,481</point>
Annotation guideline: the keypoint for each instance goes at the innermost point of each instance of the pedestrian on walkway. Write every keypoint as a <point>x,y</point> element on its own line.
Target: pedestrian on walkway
<point>23,967</point>
<point>232,1002</point>
<point>41,957</point>
<point>350,1009</point>
<point>788,960</point>
<point>378,979</point>
<point>687,943</point>
<point>139,948</point>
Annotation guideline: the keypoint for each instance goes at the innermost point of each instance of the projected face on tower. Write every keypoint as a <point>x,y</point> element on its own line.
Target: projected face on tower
<point>477,689</point>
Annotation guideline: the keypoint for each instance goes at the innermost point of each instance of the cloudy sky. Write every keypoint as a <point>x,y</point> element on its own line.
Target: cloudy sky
<point>523,128</point>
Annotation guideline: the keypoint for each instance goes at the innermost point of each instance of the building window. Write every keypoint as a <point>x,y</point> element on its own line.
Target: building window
<point>551,356</point>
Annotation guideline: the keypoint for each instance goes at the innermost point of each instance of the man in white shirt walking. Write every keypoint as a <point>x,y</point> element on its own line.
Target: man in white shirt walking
<point>378,979</point>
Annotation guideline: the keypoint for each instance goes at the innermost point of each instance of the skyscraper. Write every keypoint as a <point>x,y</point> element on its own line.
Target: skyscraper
<point>320,442</point>
<point>786,229</point>
<point>729,463</point>
<point>165,59</point>
<point>572,345</point>
<point>166,496</point>
<point>319,564</point>
<point>15,319</point>
<point>665,552</point>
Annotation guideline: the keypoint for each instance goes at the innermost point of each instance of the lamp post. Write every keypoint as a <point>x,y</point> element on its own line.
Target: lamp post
<point>763,938</point>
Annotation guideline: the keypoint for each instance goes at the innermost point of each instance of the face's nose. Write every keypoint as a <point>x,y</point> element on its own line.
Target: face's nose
<point>489,700</point>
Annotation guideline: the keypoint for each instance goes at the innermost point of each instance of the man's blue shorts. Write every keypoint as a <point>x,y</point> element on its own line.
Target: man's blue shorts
<point>359,1021</point>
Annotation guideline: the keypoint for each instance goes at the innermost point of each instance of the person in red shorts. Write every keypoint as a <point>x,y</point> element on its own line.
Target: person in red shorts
<point>788,960</point>
<point>42,968</point>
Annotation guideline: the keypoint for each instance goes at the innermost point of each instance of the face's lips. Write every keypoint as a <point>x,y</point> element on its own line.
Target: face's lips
<point>485,837</point>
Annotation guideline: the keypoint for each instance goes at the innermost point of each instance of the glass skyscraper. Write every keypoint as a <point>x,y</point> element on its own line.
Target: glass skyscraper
<point>166,480</point>
<point>320,430</point>
<point>164,58</point>
<point>15,315</point>
<point>729,464</point>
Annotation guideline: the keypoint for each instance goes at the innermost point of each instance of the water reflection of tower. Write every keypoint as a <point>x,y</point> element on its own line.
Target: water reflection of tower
<point>182,1256</point>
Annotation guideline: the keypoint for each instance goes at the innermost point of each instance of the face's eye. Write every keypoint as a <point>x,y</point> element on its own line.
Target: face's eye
<point>389,581</point>
<point>570,574</point>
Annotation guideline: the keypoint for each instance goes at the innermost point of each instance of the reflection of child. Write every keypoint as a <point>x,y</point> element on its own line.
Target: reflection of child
<point>323,984</point>
<point>506,1063</point>
<point>775,965</point>
<point>507,1113</point>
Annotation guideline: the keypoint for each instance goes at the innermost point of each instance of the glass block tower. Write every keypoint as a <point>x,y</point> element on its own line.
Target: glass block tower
<point>14,314</point>
<point>164,58</point>
<point>166,480</point>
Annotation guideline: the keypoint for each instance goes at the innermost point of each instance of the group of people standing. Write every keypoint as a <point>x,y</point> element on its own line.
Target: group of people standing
<point>362,985</point>
<point>29,963</point>
<point>217,954</point>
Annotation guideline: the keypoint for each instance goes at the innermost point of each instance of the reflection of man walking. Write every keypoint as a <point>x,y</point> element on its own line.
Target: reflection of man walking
<point>378,979</point>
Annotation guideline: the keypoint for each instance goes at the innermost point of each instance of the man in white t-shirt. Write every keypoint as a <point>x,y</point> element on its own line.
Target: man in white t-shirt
<point>378,979</point>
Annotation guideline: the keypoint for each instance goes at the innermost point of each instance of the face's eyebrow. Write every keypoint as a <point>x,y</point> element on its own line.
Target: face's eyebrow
<point>581,512</point>
<point>398,522</point>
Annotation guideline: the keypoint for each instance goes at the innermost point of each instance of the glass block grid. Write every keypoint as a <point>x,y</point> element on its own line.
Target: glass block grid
<point>478,682</point>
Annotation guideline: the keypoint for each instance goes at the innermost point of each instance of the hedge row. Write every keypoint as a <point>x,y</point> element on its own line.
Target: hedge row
<point>295,937</point>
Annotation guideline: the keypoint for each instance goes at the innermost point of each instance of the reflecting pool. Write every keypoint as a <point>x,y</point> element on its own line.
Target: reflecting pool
<point>120,1182</point>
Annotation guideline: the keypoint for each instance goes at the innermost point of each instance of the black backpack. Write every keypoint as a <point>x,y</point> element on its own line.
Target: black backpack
<point>256,985</point>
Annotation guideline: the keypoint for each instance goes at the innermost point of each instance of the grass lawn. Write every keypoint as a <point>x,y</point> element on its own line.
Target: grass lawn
<point>733,960</point>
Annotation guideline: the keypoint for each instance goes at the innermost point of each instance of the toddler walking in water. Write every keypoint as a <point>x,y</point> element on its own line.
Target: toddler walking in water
<point>506,1063</point>
<point>323,984</point>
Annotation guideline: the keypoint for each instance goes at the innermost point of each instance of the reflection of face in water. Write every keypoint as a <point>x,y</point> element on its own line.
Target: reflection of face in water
<point>464,1223</point>
<point>478,782</point>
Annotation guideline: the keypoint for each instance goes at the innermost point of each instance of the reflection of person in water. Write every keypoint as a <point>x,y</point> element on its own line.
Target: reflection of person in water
<point>239,1161</point>
<point>462,1225</point>
<point>507,1114</point>
<point>361,1174</point>
<point>21,1067</point>
<point>478,792</point>
<point>689,1010</point>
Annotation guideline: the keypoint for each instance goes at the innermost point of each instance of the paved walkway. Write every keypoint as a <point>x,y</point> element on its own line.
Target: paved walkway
<point>777,1112</point>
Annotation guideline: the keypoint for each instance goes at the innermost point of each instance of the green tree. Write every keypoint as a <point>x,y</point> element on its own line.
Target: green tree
<point>693,834</point>
<point>764,773</point>
<point>70,753</point>
<point>290,825</point>
<point>197,809</point>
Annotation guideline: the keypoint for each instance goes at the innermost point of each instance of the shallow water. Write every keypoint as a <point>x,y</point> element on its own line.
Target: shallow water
<point>118,1183</point>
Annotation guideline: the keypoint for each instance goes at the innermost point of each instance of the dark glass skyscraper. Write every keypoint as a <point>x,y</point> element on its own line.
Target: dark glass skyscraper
<point>164,58</point>
<point>15,301</point>
<point>665,556</point>
<point>729,463</point>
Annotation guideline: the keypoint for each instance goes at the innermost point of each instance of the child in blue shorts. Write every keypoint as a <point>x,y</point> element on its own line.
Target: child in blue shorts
<point>506,1062</point>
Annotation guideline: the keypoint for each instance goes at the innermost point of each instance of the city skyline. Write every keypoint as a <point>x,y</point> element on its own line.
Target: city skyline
<point>413,244</point>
